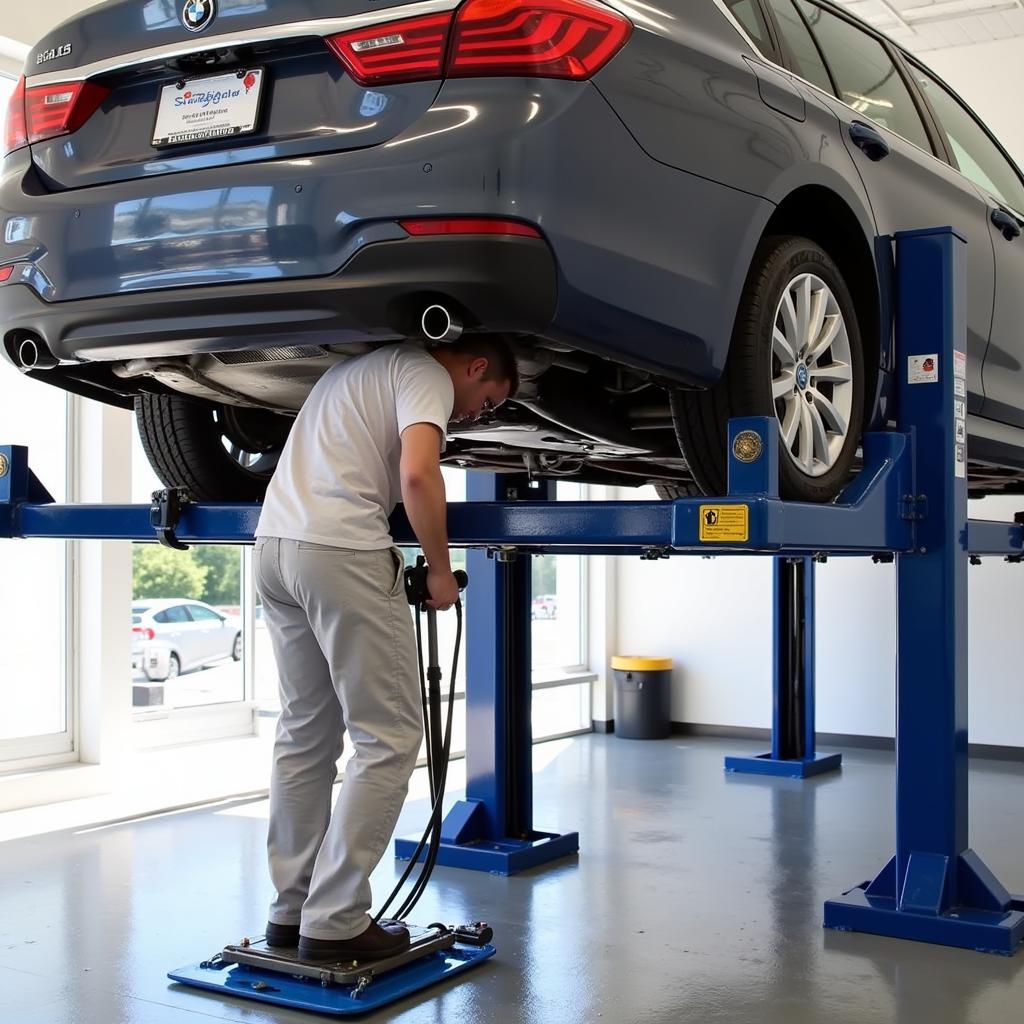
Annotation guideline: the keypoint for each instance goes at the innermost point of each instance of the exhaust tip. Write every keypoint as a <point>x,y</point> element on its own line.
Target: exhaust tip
<point>32,354</point>
<point>438,324</point>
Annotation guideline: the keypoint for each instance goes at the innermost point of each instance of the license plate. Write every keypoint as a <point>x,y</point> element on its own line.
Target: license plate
<point>211,107</point>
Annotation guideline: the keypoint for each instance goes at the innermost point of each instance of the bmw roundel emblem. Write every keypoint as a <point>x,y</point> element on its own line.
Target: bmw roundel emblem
<point>197,14</point>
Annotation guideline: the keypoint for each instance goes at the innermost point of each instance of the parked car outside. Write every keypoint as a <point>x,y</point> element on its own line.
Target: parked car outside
<point>545,606</point>
<point>678,214</point>
<point>173,635</point>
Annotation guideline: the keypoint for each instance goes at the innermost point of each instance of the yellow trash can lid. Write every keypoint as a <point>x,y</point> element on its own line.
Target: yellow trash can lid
<point>629,663</point>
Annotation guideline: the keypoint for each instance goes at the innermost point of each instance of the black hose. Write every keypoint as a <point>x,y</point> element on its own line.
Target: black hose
<point>437,815</point>
<point>438,776</point>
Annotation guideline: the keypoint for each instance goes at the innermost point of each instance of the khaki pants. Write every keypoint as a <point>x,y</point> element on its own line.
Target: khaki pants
<point>342,636</point>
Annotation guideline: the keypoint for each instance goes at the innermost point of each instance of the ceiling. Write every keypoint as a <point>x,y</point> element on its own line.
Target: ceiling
<point>922,25</point>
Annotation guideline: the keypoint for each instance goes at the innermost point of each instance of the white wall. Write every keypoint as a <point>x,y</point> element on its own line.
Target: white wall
<point>990,77</point>
<point>33,21</point>
<point>714,617</point>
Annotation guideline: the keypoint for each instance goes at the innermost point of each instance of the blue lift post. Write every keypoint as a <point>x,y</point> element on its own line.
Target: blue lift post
<point>909,500</point>
<point>492,829</point>
<point>935,888</point>
<point>793,753</point>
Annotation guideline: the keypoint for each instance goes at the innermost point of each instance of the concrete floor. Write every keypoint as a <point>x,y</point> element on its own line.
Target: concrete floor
<point>697,897</point>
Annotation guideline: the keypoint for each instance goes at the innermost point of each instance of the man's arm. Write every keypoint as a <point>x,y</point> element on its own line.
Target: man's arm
<point>423,495</point>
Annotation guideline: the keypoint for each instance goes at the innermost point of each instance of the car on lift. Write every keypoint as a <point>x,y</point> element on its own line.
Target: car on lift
<point>174,635</point>
<point>678,213</point>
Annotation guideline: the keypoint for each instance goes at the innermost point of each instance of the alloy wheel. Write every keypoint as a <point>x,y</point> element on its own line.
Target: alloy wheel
<point>812,374</point>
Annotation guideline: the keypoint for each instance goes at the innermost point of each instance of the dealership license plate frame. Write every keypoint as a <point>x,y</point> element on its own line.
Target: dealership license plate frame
<point>236,127</point>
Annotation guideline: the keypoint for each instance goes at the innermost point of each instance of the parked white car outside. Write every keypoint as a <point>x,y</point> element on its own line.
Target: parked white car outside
<point>173,635</point>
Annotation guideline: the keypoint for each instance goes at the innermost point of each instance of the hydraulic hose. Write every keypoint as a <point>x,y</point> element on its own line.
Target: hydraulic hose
<point>438,740</point>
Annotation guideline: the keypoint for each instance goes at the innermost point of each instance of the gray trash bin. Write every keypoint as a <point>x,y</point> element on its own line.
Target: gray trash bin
<point>643,697</point>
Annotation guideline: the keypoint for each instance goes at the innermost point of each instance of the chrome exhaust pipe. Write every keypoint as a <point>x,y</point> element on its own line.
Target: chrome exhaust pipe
<point>438,324</point>
<point>32,354</point>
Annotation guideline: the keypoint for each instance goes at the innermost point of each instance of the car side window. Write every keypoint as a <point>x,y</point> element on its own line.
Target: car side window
<point>176,613</point>
<point>749,15</point>
<point>865,75</point>
<point>804,57</point>
<point>977,156</point>
<point>201,614</point>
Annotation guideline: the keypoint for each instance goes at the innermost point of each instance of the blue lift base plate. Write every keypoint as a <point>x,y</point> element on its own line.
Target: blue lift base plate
<point>498,856</point>
<point>337,1000</point>
<point>765,764</point>
<point>983,930</point>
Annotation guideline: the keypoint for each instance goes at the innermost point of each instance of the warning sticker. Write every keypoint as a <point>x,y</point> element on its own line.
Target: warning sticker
<point>923,369</point>
<point>724,523</point>
<point>959,409</point>
<point>961,460</point>
<point>959,387</point>
<point>961,432</point>
<point>959,365</point>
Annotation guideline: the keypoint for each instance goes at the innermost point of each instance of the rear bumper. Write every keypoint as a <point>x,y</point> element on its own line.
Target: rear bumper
<point>503,283</point>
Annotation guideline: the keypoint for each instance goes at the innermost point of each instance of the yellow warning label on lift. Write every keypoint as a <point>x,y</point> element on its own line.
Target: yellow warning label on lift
<point>721,524</point>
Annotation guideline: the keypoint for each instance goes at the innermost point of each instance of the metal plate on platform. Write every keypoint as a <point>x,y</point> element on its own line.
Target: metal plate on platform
<point>345,972</point>
<point>376,983</point>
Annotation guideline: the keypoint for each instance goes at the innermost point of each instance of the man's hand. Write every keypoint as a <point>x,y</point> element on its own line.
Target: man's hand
<point>443,589</point>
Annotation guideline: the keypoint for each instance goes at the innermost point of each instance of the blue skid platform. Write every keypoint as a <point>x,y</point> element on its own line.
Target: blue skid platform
<point>247,982</point>
<point>795,768</point>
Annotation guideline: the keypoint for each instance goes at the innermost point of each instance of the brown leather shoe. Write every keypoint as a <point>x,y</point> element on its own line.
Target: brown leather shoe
<point>373,944</point>
<point>282,936</point>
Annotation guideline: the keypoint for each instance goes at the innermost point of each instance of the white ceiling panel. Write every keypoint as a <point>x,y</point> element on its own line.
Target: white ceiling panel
<point>922,25</point>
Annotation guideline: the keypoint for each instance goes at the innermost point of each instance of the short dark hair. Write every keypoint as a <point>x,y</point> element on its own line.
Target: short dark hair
<point>501,361</point>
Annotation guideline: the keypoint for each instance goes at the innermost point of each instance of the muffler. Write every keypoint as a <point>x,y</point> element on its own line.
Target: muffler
<point>439,324</point>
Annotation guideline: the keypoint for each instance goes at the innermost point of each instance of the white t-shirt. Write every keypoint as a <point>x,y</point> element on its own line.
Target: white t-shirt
<point>337,480</point>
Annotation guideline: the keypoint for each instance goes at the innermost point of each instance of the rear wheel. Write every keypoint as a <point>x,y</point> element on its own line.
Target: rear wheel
<point>216,452</point>
<point>796,354</point>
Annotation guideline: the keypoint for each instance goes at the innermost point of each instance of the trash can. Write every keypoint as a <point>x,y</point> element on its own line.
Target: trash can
<point>643,697</point>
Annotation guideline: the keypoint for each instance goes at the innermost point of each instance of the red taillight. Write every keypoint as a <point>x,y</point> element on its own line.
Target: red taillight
<point>545,38</point>
<point>469,226</point>
<point>5,272</point>
<point>54,110</point>
<point>16,136</point>
<point>145,633</point>
<point>400,51</point>
<point>533,38</point>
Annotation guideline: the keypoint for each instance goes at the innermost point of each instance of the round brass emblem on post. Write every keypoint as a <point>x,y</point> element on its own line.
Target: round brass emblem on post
<point>747,446</point>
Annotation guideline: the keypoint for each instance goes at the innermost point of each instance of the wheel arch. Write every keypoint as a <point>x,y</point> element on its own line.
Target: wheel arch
<point>820,214</point>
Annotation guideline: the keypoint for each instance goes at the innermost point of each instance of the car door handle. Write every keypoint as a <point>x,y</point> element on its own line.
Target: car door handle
<point>1007,223</point>
<point>872,142</point>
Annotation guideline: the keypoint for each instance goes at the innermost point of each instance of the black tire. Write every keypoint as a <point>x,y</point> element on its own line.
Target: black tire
<point>218,453</point>
<point>173,667</point>
<point>745,388</point>
<point>236,648</point>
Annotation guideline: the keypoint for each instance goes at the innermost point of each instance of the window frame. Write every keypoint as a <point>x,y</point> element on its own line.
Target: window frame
<point>937,143</point>
<point>936,140</point>
<point>787,53</point>
<point>912,62</point>
<point>770,28</point>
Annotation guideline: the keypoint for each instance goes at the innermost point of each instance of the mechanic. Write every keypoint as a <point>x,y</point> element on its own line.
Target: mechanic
<point>332,585</point>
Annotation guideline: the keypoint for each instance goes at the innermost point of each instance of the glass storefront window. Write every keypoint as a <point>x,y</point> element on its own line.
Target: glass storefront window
<point>33,614</point>
<point>185,618</point>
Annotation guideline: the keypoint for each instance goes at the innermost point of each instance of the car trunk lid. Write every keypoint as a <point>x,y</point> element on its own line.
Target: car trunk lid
<point>156,78</point>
